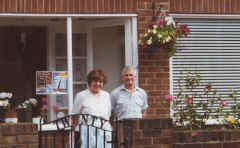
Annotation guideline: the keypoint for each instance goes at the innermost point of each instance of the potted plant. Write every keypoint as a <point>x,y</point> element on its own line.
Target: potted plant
<point>163,32</point>
<point>4,96</point>
<point>43,112</point>
<point>25,109</point>
<point>10,116</point>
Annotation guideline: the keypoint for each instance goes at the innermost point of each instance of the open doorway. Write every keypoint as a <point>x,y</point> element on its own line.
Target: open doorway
<point>22,53</point>
<point>109,53</point>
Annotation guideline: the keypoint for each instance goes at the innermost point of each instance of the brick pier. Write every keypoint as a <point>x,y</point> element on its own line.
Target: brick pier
<point>21,135</point>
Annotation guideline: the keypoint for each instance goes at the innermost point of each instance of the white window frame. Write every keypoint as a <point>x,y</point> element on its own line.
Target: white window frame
<point>195,16</point>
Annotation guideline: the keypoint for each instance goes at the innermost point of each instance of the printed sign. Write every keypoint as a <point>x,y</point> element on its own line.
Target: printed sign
<point>51,82</point>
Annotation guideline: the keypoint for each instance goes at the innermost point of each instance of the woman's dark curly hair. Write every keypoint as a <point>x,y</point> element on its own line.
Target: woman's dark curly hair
<point>97,75</point>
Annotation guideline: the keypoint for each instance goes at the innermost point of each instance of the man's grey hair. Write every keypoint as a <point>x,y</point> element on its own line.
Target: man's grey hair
<point>129,68</point>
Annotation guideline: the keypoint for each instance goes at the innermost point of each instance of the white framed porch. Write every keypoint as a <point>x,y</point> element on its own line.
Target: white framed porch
<point>93,25</point>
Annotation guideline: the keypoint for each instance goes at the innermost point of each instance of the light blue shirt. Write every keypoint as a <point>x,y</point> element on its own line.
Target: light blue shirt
<point>126,104</point>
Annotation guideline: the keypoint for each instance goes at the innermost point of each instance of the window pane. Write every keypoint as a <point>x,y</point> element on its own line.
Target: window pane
<point>79,70</point>
<point>79,44</point>
<point>61,44</point>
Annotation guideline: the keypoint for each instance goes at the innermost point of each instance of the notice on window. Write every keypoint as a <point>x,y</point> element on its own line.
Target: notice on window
<point>51,82</point>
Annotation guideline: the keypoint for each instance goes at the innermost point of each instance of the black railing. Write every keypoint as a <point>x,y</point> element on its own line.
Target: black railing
<point>91,131</point>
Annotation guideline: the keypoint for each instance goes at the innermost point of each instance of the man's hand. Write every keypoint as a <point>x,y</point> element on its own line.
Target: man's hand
<point>111,120</point>
<point>74,122</point>
<point>144,114</point>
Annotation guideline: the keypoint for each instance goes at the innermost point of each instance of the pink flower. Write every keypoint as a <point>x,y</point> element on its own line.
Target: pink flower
<point>185,29</point>
<point>223,103</point>
<point>45,107</point>
<point>45,100</point>
<point>160,20</point>
<point>194,134</point>
<point>188,100</point>
<point>169,97</point>
<point>55,107</point>
<point>153,23</point>
<point>161,26</point>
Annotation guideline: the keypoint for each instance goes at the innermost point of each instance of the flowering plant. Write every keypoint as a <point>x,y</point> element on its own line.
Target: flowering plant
<point>163,32</point>
<point>4,99</point>
<point>28,104</point>
<point>55,108</point>
<point>44,107</point>
<point>197,105</point>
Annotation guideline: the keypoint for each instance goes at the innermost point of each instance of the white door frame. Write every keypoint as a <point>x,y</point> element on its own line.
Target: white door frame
<point>131,41</point>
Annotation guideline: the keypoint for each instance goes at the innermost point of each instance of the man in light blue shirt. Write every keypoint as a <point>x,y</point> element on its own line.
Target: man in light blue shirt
<point>128,101</point>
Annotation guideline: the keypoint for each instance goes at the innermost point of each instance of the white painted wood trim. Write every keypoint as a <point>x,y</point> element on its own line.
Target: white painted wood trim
<point>66,15</point>
<point>51,63</point>
<point>108,23</point>
<point>69,64</point>
<point>89,49</point>
<point>128,43</point>
<point>209,16</point>
<point>135,45</point>
<point>171,85</point>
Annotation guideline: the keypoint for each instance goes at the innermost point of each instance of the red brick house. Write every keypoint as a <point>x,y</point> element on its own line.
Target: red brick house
<point>79,35</point>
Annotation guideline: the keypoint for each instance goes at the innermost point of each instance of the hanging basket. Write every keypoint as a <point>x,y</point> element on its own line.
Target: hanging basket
<point>170,47</point>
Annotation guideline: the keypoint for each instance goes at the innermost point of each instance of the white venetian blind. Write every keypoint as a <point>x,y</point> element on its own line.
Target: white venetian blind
<point>213,50</point>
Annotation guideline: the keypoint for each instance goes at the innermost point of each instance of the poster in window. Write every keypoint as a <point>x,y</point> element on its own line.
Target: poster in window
<point>51,82</point>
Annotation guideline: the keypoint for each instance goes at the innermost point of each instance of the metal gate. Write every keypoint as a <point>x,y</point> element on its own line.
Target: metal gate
<point>91,132</point>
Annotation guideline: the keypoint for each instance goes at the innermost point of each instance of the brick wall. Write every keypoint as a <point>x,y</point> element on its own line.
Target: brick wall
<point>159,133</point>
<point>205,6</point>
<point>153,64</point>
<point>118,6</point>
<point>51,139</point>
<point>147,133</point>
<point>21,135</point>
<point>68,6</point>
<point>215,138</point>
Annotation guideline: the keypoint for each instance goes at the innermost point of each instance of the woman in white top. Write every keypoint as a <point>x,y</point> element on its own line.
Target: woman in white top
<point>96,102</point>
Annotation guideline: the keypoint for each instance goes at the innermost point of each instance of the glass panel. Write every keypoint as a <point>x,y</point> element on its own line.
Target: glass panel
<point>79,44</point>
<point>61,65</point>
<point>62,100</point>
<point>61,44</point>
<point>79,70</point>
<point>79,65</point>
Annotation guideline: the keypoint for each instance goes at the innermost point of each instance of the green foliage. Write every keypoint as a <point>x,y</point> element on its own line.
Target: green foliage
<point>196,103</point>
<point>163,32</point>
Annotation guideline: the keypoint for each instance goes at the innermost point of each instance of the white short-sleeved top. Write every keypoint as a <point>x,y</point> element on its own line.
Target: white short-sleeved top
<point>86,103</point>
